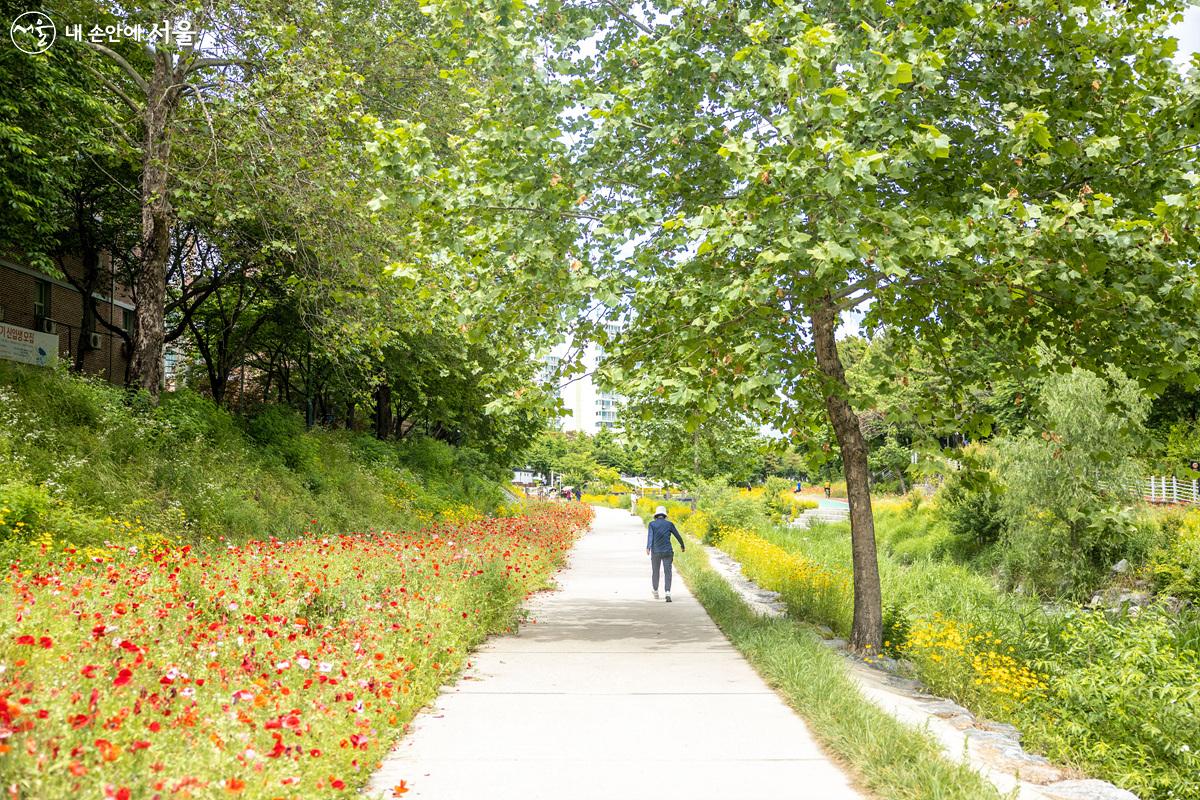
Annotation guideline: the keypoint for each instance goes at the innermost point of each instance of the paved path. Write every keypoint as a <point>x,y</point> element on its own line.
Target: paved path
<point>611,695</point>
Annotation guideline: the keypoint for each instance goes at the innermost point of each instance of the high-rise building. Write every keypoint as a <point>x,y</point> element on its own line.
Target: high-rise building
<point>590,407</point>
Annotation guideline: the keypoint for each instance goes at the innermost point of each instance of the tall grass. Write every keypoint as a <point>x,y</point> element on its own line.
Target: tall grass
<point>84,463</point>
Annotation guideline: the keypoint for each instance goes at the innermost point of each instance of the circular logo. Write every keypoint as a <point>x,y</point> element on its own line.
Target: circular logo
<point>33,32</point>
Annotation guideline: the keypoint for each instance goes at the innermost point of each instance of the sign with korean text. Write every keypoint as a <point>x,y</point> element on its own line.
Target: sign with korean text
<point>28,347</point>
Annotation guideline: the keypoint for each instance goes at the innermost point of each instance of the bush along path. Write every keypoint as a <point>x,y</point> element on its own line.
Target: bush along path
<point>274,669</point>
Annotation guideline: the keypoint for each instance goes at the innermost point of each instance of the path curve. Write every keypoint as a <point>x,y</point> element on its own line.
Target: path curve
<point>611,695</point>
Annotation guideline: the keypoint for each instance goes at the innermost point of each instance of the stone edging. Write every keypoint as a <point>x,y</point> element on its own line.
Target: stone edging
<point>992,749</point>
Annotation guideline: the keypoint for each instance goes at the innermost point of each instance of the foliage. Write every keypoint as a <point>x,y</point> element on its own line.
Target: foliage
<point>1122,702</point>
<point>794,161</point>
<point>1180,447</point>
<point>578,459</point>
<point>970,500</point>
<point>728,508</point>
<point>1067,499</point>
<point>891,460</point>
<point>682,445</point>
<point>811,591</point>
<point>976,667</point>
<point>274,678</point>
<point>607,500</point>
<point>1175,566</point>
<point>780,502</point>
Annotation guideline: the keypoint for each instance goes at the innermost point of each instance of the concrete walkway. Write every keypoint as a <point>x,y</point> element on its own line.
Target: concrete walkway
<point>611,695</point>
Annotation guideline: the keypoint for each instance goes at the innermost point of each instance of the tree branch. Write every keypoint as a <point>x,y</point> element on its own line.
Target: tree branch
<point>625,16</point>
<point>112,87</point>
<point>203,63</point>
<point>120,61</point>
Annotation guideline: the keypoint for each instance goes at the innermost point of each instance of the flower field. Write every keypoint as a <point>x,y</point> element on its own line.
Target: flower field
<point>810,590</point>
<point>273,669</point>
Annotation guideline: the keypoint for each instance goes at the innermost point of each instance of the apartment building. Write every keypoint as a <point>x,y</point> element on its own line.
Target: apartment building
<point>41,319</point>
<point>590,407</point>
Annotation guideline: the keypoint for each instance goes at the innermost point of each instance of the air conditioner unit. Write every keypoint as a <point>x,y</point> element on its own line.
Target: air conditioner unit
<point>47,325</point>
<point>94,341</point>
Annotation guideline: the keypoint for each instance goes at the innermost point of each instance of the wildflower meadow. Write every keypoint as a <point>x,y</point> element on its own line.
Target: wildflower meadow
<point>270,669</point>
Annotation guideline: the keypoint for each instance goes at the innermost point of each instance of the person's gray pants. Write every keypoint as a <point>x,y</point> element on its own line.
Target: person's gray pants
<point>665,560</point>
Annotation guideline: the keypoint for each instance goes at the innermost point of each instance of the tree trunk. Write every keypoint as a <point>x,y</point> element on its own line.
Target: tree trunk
<point>383,411</point>
<point>867,632</point>
<point>150,286</point>
<point>86,285</point>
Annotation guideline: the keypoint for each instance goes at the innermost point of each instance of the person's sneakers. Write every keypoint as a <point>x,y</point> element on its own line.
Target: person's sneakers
<point>656,594</point>
<point>668,598</point>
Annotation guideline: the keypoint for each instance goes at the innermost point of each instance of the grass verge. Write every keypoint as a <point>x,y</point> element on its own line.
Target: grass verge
<point>886,757</point>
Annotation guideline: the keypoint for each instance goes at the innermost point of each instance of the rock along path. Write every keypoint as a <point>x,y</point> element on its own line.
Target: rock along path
<point>611,695</point>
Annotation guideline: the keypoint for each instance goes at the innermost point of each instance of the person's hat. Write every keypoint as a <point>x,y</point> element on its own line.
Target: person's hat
<point>661,511</point>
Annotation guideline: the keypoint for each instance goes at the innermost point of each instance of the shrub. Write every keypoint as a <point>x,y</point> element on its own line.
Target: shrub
<point>970,502</point>
<point>780,503</point>
<point>1122,703</point>
<point>189,416</point>
<point>1065,508</point>
<point>1175,567</point>
<point>280,432</point>
<point>729,509</point>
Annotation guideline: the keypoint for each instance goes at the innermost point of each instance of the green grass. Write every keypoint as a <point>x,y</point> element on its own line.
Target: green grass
<point>83,462</point>
<point>885,756</point>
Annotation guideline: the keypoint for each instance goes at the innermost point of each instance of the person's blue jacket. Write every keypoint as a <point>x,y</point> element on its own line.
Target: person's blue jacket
<point>659,533</point>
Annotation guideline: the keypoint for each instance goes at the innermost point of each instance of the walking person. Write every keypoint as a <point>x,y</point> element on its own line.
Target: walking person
<point>658,547</point>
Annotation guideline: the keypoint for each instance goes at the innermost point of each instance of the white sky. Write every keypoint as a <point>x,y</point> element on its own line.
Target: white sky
<point>1188,34</point>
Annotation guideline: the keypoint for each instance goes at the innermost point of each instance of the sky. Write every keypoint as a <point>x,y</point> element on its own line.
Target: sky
<point>1188,34</point>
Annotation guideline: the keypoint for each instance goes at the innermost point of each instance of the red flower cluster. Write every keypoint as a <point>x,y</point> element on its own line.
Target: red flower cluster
<point>271,669</point>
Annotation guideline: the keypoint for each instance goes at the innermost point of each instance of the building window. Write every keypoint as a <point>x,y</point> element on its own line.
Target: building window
<point>41,300</point>
<point>127,320</point>
<point>549,370</point>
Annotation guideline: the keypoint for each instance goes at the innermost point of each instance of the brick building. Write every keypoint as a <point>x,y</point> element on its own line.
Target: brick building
<point>32,299</point>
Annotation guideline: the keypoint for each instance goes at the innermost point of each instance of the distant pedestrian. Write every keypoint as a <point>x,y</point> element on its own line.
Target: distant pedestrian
<point>658,547</point>
<point>828,488</point>
<point>578,493</point>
